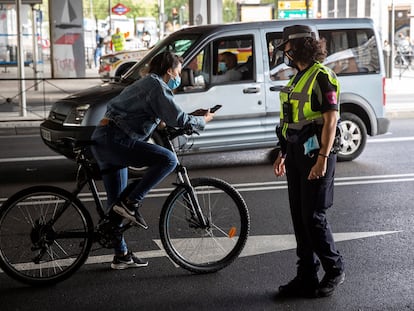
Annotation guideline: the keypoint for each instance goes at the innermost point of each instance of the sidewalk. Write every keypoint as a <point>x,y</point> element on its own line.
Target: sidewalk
<point>40,96</point>
<point>49,91</point>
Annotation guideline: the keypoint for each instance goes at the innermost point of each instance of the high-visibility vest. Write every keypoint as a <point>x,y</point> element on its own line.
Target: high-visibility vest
<point>299,97</point>
<point>118,41</point>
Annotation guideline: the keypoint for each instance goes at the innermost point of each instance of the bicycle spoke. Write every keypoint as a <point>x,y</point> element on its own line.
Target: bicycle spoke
<point>45,235</point>
<point>196,247</point>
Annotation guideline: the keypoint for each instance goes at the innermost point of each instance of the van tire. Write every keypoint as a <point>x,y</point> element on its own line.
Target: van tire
<point>354,137</point>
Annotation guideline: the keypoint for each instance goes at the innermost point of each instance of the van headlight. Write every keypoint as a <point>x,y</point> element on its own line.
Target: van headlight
<point>76,115</point>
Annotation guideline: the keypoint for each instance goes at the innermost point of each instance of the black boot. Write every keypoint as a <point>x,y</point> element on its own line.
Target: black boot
<point>300,287</point>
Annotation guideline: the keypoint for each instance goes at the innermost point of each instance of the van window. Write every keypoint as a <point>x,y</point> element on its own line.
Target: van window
<point>230,60</point>
<point>177,45</point>
<point>349,51</point>
<point>222,61</point>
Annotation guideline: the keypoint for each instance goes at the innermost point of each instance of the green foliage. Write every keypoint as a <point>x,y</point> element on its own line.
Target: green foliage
<point>229,11</point>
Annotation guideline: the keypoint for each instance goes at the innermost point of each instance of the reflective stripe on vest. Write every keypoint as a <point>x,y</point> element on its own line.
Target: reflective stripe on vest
<point>299,96</point>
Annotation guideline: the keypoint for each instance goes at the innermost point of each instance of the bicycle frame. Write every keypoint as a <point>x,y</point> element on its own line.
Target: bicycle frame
<point>85,177</point>
<point>184,181</point>
<point>82,181</point>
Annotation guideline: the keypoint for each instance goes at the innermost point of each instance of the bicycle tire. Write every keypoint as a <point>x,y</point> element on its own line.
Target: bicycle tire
<point>215,247</point>
<point>25,235</point>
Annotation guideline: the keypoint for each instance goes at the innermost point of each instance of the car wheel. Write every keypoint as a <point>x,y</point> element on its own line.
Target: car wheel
<point>353,137</point>
<point>123,69</point>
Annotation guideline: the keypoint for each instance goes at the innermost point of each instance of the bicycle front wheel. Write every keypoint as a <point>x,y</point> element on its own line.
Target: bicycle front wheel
<point>45,235</point>
<point>205,249</point>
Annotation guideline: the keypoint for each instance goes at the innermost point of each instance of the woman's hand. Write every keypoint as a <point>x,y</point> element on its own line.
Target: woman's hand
<point>208,116</point>
<point>199,112</point>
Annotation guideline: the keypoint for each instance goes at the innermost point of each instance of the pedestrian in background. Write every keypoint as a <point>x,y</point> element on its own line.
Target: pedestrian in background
<point>308,123</point>
<point>108,42</point>
<point>98,49</point>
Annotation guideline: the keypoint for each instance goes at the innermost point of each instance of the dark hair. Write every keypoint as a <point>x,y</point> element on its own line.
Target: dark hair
<point>161,62</point>
<point>307,50</point>
<point>232,58</point>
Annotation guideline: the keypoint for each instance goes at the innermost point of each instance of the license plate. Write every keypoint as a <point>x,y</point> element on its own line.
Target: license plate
<point>46,135</point>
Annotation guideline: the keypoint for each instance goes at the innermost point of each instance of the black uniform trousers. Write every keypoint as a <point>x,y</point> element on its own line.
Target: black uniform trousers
<point>309,200</point>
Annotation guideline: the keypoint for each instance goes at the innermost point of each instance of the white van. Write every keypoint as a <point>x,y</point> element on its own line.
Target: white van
<point>250,109</point>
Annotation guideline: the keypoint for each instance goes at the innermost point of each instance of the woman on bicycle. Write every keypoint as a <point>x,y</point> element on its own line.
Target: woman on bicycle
<point>121,141</point>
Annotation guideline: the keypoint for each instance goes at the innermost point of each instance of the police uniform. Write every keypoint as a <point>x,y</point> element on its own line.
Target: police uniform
<point>118,41</point>
<point>310,93</point>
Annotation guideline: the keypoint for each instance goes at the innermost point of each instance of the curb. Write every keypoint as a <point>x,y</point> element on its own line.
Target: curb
<point>8,128</point>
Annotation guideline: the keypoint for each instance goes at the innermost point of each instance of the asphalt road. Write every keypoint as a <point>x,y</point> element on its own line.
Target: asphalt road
<point>372,219</point>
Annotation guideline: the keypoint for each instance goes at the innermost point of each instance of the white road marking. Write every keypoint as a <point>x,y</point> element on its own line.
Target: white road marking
<point>256,245</point>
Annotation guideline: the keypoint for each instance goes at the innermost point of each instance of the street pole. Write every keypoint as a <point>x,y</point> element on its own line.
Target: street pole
<point>307,9</point>
<point>20,60</point>
<point>392,37</point>
<point>35,45</point>
<point>161,17</point>
<point>110,15</point>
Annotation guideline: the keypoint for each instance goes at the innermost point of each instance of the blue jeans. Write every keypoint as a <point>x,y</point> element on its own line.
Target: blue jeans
<point>115,151</point>
<point>97,55</point>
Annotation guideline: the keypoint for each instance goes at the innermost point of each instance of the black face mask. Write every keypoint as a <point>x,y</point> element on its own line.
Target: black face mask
<point>287,58</point>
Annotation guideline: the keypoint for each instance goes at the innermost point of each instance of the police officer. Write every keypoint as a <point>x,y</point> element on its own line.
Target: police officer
<point>308,122</point>
<point>118,41</point>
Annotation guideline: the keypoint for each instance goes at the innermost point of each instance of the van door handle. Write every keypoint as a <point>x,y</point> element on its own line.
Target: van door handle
<point>276,88</point>
<point>251,90</point>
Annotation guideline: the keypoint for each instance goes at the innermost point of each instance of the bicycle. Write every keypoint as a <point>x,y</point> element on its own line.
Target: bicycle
<point>46,232</point>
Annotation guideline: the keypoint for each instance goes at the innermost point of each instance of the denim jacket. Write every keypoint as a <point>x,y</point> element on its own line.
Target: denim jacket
<point>139,108</point>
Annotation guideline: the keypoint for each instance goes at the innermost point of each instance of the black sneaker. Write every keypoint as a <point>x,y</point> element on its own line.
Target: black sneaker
<point>300,287</point>
<point>130,211</point>
<point>127,261</point>
<point>329,283</point>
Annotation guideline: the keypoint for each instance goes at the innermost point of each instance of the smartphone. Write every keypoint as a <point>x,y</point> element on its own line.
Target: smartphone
<point>215,108</point>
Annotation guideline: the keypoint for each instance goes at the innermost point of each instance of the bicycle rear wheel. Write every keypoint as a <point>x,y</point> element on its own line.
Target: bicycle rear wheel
<point>45,235</point>
<point>198,249</point>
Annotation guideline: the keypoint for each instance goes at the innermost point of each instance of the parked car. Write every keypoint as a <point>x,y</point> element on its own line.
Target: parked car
<point>114,65</point>
<point>250,106</point>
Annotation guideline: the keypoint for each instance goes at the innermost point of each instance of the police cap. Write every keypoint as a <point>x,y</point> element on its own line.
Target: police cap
<point>296,32</point>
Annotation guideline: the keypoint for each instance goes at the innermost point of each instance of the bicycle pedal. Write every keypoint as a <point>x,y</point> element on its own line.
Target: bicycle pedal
<point>138,224</point>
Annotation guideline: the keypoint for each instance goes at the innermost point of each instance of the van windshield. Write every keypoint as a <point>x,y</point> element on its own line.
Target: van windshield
<point>178,44</point>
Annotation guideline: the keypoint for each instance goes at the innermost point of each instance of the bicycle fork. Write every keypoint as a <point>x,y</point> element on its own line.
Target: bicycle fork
<point>192,196</point>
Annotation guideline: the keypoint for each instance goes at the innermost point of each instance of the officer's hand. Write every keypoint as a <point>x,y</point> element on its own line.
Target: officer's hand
<point>279,166</point>
<point>319,169</point>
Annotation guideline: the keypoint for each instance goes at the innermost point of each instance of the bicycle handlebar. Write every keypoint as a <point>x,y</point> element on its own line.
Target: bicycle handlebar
<point>173,132</point>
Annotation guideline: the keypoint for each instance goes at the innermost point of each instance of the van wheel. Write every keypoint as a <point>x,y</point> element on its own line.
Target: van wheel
<point>354,137</point>
<point>139,171</point>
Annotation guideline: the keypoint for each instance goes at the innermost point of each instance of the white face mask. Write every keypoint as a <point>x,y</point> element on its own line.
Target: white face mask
<point>287,59</point>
